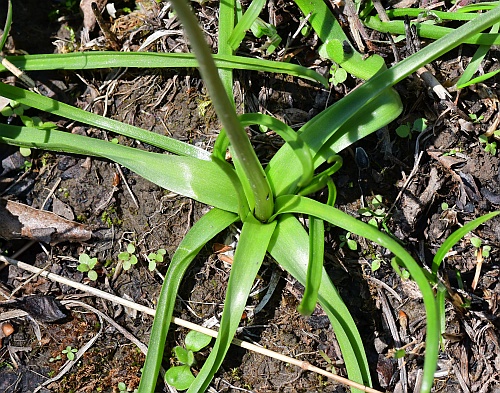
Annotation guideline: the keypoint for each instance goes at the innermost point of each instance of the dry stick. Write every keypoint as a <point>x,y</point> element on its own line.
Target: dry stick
<point>180,322</point>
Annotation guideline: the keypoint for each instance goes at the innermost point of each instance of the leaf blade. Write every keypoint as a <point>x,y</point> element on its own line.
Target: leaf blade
<point>250,251</point>
<point>187,176</point>
<point>203,230</point>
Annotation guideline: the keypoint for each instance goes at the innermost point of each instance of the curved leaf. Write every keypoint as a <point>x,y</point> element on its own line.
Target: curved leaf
<point>297,204</point>
<point>250,252</point>
<point>245,23</point>
<point>58,108</point>
<point>289,247</point>
<point>202,231</point>
<point>209,182</point>
<point>354,107</point>
<point>456,236</point>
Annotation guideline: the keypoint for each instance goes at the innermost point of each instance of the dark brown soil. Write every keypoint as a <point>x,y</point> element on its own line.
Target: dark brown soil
<point>169,102</point>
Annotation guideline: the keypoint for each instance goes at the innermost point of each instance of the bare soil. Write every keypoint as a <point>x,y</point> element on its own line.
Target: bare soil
<point>387,309</point>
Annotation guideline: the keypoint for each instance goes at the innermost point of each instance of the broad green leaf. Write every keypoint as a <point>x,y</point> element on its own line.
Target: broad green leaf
<point>289,247</point>
<point>298,204</point>
<point>250,252</point>
<point>206,181</point>
<point>328,130</point>
<point>212,223</point>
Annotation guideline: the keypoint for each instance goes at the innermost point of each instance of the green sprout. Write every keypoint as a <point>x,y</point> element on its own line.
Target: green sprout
<point>338,75</point>
<point>478,245</point>
<point>181,376</point>
<point>346,239</point>
<point>475,118</point>
<point>57,358</point>
<point>376,263</point>
<point>127,257</point>
<point>86,265</point>
<point>489,147</point>
<point>155,257</point>
<point>260,28</point>
<point>70,352</point>
<point>405,130</point>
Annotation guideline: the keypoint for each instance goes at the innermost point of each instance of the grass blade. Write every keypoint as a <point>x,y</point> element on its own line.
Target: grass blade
<point>8,22</point>
<point>95,60</point>
<point>425,30</point>
<point>245,23</point>
<point>67,111</point>
<point>456,236</point>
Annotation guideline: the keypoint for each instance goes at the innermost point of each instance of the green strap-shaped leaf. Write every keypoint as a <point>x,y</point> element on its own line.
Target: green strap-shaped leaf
<point>250,252</point>
<point>314,267</point>
<point>202,231</point>
<point>58,108</point>
<point>209,182</point>
<point>426,30</point>
<point>245,23</point>
<point>298,204</point>
<point>289,247</point>
<point>289,136</point>
<point>94,60</point>
<point>338,47</point>
<point>467,76</point>
<point>327,129</point>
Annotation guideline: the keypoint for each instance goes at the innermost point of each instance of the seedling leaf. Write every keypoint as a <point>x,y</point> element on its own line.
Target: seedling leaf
<point>181,354</point>
<point>180,377</point>
<point>196,341</point>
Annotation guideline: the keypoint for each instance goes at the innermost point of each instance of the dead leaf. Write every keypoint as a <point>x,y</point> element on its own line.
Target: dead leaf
<point>89,20</point>
<point>19,221</point>
<point>42,308</point>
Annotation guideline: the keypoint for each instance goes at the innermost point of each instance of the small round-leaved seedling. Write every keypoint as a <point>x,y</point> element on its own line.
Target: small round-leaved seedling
<point>70,352</point>
<point>181,376</point>
<point>86,265</point>
<point>127,257</point>
<point>155,258</point>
